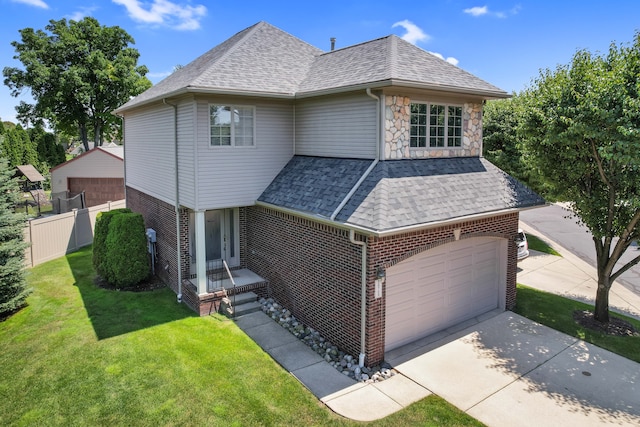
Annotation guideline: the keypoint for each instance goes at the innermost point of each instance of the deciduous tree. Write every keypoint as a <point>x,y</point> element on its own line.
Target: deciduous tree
<point>582,121</point>
<point>78,72</point>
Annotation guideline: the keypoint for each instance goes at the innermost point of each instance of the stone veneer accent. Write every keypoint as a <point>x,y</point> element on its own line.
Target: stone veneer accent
<point>397,125</point>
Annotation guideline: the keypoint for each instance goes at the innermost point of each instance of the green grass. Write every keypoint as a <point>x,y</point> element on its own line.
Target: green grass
<point>557,312</point>
<point>537,244</point>
<point>82,355</point>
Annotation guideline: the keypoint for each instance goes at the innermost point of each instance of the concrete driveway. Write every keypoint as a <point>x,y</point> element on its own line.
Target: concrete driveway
<point>510,371</point>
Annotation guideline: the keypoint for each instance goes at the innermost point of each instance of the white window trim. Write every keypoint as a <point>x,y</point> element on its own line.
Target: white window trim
<point>446,127</point>
<point>233,137</point>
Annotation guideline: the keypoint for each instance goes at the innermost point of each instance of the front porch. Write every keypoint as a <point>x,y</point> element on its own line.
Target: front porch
<point>220,285</point>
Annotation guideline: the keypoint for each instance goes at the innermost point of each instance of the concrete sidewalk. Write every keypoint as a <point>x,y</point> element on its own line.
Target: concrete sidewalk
<point>571,277</point>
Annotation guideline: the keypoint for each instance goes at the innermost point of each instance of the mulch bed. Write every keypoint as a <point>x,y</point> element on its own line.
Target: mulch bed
<point>616,326</point>
<point>149,284</point>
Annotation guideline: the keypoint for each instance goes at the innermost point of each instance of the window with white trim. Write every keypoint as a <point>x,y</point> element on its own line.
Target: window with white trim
<point>435,126</point>
<point>232,126</point>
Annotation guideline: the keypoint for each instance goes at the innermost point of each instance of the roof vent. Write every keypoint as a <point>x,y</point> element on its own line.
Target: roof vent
<point>333,43</point>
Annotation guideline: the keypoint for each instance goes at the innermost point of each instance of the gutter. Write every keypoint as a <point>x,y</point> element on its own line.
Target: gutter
<point>384,233</point>
<point>177,203</point>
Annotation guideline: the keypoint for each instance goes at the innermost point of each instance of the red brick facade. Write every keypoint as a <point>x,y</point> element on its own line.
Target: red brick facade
<point>314,270</point>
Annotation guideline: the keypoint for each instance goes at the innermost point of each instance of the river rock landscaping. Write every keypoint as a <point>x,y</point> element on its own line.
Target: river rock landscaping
<point>343,362</point>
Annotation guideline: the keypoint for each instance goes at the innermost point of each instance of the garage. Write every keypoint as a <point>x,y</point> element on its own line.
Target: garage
<point>97,190</point>
<point>441,287</point>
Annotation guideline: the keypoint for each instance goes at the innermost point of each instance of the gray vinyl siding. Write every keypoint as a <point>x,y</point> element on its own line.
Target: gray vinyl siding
<point>236,176</point>
<point>342,126</point>
<point>149,152</point>
<point>186,153</point>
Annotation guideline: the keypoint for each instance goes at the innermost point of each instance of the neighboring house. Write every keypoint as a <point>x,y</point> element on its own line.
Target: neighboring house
<point>352,181</point>
<point>99,173</point>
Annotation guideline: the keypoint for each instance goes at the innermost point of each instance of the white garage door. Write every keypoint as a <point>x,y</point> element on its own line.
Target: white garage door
<point>443,286</point>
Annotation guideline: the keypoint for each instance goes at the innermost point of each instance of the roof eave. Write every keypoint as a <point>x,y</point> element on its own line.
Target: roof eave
<point>207,91</point>
<point>393,231</point>
<point>482,93</point>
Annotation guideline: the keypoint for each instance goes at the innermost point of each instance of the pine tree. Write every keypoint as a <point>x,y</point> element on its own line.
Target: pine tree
<point>13,285</point>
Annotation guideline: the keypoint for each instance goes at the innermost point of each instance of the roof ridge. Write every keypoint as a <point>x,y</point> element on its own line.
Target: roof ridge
<point>393,55</point>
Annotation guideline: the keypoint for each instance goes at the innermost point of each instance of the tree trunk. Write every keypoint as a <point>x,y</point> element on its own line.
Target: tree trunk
<point>602,300</point>
<point>97,135</point>
<point>83,137</point>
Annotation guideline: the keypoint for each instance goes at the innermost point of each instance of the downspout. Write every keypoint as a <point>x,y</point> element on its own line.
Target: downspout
<point>363,245</point>
<point>177,204</point>
<point>363,295</point>
<point>124,168</point>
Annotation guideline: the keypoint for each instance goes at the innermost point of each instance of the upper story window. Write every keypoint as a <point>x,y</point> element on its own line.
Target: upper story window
<point>232,125</point>
<point>435,126</point>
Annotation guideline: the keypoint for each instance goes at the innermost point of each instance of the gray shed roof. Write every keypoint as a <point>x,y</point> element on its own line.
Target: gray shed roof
<point>263,60</point>
<point>397,193</point>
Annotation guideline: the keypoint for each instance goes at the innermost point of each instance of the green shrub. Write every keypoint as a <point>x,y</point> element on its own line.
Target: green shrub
<point>100,232</point>
<point>126,257</point>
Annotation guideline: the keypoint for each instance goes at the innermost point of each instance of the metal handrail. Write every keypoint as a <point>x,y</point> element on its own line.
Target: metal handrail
<point>233,282</point>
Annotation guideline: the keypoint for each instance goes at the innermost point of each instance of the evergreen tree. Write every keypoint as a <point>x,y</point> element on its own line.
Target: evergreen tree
<point>13,285</point>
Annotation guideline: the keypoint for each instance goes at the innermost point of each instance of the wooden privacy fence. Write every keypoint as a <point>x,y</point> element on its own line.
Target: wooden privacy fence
<point>57,235</point>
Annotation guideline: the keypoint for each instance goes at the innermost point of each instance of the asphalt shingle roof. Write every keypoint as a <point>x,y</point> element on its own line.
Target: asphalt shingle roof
<point>397,193</point>
<point>264,60</point>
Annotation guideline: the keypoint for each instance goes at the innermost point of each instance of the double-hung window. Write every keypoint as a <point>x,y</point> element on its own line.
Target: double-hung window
<point>435,126</point>
<point>232,125</point>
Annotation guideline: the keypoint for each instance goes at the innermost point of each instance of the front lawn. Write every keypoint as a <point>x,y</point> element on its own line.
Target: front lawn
<point>557,313</point>
<point>537,244</point>
<point>82,355</point>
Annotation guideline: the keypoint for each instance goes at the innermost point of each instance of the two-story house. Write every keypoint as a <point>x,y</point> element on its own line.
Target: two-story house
<point>352,181</point>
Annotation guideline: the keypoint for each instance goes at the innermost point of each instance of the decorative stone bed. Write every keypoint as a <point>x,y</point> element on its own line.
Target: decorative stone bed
<point>343,362</point>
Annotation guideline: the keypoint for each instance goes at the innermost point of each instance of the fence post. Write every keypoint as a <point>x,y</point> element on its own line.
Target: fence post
<point>31,241</point>
<point>75,227</point>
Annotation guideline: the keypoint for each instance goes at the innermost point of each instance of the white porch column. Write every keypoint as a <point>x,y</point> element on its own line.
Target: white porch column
<point>201,253</point>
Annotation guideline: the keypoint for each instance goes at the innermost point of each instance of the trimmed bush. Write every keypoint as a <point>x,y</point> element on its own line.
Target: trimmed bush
<point>126,261</point>
<point>100,232</point>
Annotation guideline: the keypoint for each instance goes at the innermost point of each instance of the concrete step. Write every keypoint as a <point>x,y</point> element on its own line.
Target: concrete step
<point>243,297</point>
<point>246,308</point>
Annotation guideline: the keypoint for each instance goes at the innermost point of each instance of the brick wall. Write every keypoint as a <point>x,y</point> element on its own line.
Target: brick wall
<point>314,270</point>
<point>161,217</point>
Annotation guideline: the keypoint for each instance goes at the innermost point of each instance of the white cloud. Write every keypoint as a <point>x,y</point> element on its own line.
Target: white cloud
<point>81,13</point>
<point>477,10</point>
<point>484,10</point>
<point>165,13</point>
<point>157,76</point>
<point>414,33</point>
<point>451,60</point>
<point>36,3</point>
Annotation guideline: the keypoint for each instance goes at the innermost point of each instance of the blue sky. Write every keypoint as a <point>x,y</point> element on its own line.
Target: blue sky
<point>504,42</point>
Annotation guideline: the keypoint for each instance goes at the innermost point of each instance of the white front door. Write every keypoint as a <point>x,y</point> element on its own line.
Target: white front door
<point>221,236</point>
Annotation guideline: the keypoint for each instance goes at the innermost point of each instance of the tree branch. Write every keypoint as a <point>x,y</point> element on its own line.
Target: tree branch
<point>624,268</point>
